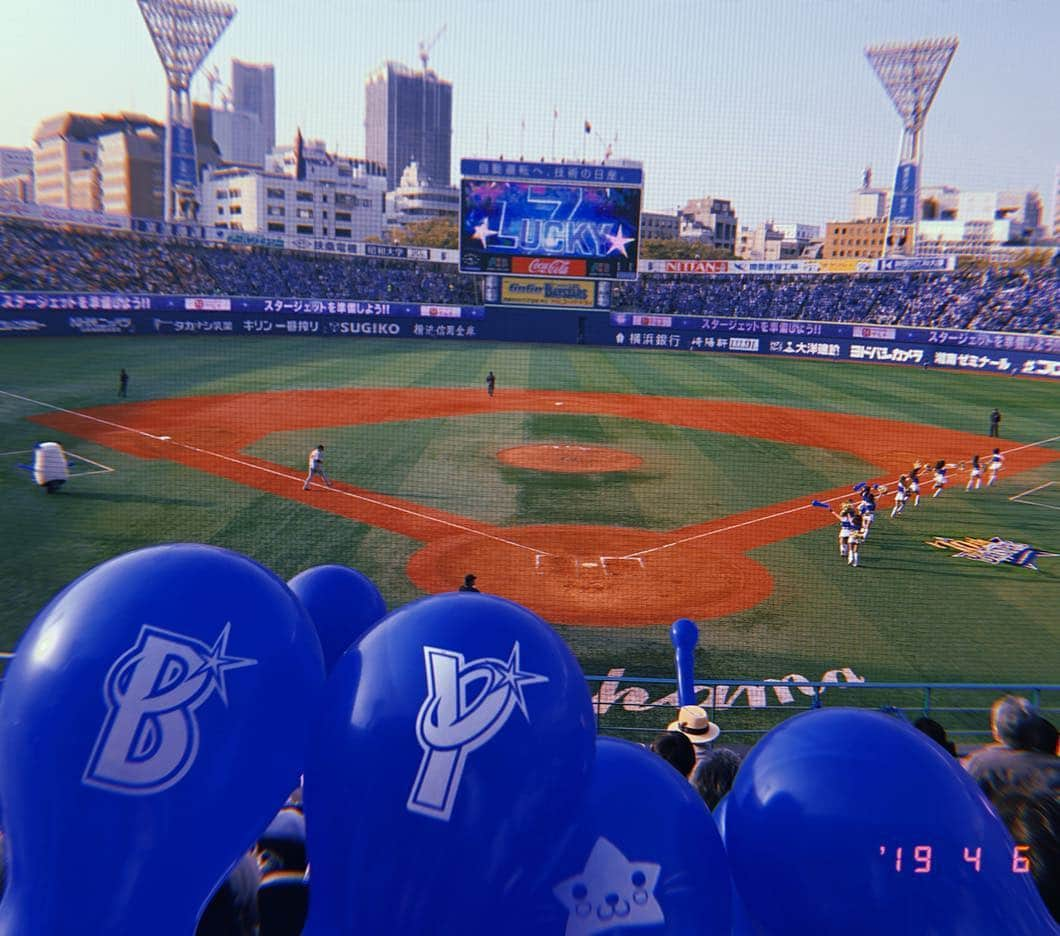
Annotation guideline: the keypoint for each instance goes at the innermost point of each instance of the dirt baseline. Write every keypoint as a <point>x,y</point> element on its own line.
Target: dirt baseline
<point>578,575</point>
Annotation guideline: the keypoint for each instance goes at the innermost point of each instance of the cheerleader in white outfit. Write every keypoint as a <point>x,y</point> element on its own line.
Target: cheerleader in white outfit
<point>975,476</point>
<point>914,483</point>
<point>939,484</point>
<point>901,495</point>
<point>996,461</point>
<point>849,532</point>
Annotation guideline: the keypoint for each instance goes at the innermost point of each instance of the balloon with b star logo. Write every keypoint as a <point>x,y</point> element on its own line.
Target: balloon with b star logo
<point>453,748</point>
<point>151,722</point>
<point>643,853</point>
<point>848,821</point>
<point>342,603</point>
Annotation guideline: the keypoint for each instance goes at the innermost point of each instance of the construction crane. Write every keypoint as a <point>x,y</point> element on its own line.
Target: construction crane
<point>425,47</point>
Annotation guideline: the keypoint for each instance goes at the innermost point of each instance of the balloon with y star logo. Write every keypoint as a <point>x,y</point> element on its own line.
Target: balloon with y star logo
<point>151,723</point>
<point>453,748</point>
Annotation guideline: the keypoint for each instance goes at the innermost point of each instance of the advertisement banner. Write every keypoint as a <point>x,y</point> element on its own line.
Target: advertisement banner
<point>542,172</point>
<point>693,266</point>
<point>842,265</point>
<point>903,202</point>
<point>545,292</point>
<point>547,266</point>
<point>845,265</point>
<point>182,157</point>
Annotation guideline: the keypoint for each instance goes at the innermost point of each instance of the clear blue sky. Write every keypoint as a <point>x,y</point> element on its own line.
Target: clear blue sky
<point>768,102</point>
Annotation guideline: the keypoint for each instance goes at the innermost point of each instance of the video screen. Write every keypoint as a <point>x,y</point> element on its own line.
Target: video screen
<point>553,229</point>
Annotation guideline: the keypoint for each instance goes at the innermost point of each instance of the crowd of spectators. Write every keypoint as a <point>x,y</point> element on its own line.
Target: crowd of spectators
<point>36,257</point>
<point>1022,300</point>
<point>33,257</point>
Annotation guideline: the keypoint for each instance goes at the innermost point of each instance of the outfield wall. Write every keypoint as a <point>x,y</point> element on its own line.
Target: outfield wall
<point>69,314</point>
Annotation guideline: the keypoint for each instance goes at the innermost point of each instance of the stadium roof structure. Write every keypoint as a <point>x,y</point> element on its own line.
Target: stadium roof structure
<point>183,32</point>
<point>911,73</point>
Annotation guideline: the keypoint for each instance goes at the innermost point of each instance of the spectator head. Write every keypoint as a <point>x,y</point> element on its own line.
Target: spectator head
<point>1042,736</point>
<point>936,732</point>
<point>469,580</point>
<point>1011,720</point>
<point>1033,819</point>
<point>713,776</point>
<point>675,748</point>
<point>693,721</point>
<point>282,845</point>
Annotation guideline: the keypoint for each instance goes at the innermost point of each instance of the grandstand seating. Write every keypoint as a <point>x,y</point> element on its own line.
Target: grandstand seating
<point>35,257</point>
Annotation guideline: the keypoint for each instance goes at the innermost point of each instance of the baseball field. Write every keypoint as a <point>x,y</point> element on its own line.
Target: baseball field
<point>610,490</point>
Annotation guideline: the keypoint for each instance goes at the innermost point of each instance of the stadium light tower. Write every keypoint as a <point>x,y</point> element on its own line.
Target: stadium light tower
<point>911,73</point>
<point>183,32</point>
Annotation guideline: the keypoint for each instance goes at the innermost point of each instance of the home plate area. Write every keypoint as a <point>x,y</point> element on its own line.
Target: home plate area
<point>594,567</point>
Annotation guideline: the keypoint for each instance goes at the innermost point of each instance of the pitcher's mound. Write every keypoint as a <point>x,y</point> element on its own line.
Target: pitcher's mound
<point>569,458</point>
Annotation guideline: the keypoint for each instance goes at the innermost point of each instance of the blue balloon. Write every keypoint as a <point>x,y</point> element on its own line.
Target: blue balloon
<point>342,603</point>
<point>742,925</point>
<point>848,821</point>
<point>151,723</point>
<point>453,749</point>
<point>644,852</point>
<point>684,635</point>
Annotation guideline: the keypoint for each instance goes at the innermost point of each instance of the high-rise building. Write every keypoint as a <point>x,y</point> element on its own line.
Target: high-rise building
<point>132,180</point>
<point>710,221</point>
<point>1056,205</point>
<point>16,173</point>
<point>416,199</point>
<point>254,92</point>
<point>408,117</point>
<point>65,169</point>
<point>304,191</point>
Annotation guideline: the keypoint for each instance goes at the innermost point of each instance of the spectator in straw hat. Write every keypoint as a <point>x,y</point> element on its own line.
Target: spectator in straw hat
<point>694,723</point>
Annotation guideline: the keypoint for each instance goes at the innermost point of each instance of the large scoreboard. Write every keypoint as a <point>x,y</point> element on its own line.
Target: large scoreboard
<point>549,219</point>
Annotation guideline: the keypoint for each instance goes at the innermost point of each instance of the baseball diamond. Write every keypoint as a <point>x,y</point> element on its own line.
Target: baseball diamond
<point>702,511</point>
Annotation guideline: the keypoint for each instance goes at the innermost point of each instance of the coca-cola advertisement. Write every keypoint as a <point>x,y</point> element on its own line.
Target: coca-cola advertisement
<point>547,266</point>
<point>579,227</point>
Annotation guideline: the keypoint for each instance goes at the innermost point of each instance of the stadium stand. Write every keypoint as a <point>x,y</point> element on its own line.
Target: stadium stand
<point>1011,301</point>
<point>37,257</point>
<point>41,258</point>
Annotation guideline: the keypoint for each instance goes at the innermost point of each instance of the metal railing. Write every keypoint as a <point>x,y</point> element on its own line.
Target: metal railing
<point>640,707</point>
<point>745,709</point>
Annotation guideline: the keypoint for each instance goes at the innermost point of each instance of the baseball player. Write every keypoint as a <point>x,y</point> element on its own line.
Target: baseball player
<point>316,466</point>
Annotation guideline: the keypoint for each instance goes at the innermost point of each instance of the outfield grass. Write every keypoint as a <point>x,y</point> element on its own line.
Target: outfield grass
<point>911,613</point>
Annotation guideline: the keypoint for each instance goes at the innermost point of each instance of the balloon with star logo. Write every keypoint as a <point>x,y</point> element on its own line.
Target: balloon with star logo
<point>455,742</point>
<point>342,603</point>
<point>644,852</point>
<point>151,722</point>
<point>846,821</point>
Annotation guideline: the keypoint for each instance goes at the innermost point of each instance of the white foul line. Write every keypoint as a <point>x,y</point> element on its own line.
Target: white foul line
<point>279,474</point>
<point>783,513</point>
<point>1031,491</point>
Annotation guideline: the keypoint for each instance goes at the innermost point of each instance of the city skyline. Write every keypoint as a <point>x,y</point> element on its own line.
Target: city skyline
<point>770,105</point>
